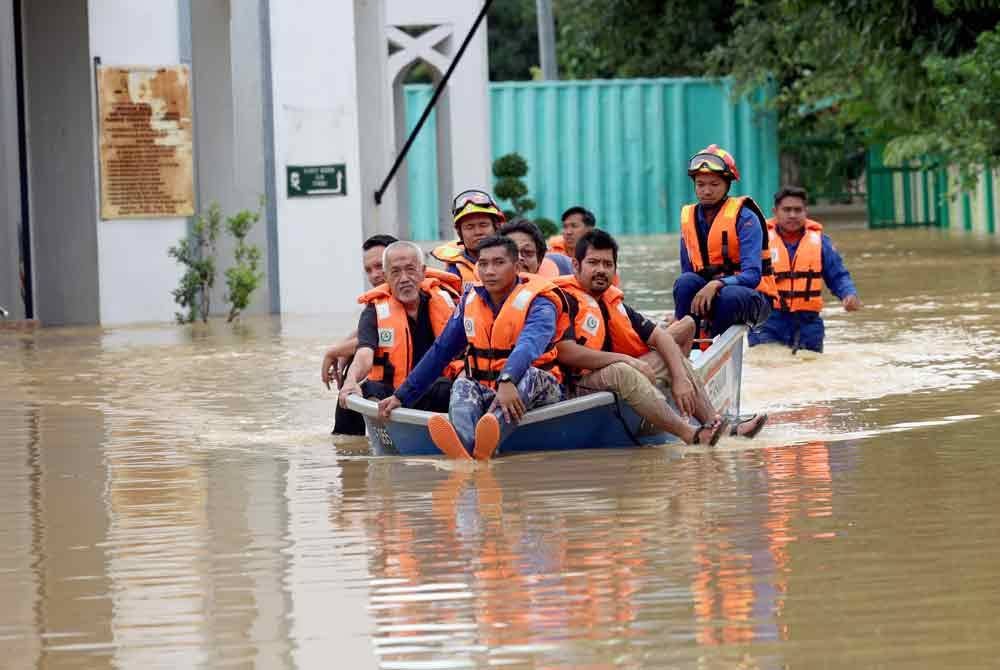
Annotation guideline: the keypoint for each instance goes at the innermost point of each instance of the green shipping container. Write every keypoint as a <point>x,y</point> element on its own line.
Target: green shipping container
<point>618,147</point>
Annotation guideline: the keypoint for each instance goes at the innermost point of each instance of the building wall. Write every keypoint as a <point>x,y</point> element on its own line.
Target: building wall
<point>63,189</point>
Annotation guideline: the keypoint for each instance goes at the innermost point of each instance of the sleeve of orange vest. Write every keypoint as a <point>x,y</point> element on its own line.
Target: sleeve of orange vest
<point>835,273</point>
<point>539,329</point>
<point>751,234</point>
<point>449,344</point>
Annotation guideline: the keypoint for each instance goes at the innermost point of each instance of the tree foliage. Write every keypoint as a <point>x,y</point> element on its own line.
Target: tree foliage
<point>639,38</point>
<point>243,278</point>
<point>197,254</point>
<point>917,75</point>
<point>508,169</point>
<point>513,39</point>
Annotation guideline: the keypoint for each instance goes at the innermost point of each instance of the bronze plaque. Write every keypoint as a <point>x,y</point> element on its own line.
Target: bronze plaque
<point>147,161</point>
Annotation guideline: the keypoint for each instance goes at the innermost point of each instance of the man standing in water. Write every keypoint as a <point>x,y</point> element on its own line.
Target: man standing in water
<point>476,216</point>
<point>803,256</point>
<point>508,325</point>
<point>725,261</point>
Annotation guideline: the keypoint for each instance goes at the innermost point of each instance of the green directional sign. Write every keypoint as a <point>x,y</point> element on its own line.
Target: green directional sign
<point>310,180</point>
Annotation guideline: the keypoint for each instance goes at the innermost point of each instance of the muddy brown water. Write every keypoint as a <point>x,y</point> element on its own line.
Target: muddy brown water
<point>171,497</point>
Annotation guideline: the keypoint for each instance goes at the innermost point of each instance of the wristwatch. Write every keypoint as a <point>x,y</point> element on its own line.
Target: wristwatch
<point>505,377</point>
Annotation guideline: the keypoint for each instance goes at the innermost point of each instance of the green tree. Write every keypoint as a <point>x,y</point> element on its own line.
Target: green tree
<point>243,278</point>
<point>513,39</point>
<point>197,254</point>
<point>902,72</point>
<point>509,169</point>
<point>639,38</point>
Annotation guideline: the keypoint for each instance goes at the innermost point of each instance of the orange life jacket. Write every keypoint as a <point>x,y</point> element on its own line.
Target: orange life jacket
<point>799,279</point>
<point>491,340</point>
<point>723,244</point>
<point>453,253</point>
<point>548,268</point>
<point>602,323</point>
<point>557,244</point>
<point>394,357</point>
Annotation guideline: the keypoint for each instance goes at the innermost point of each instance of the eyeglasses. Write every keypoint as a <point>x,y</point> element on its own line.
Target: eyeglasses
<point>474,197</point>
<point>709,161</point>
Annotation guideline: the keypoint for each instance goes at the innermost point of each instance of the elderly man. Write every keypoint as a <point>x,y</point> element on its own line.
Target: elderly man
<point>399,324</point>
<point>614,348</point>
<point>508,326</point>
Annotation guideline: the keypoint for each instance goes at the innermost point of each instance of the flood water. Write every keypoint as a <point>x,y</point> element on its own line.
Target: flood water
<point>171,497</point>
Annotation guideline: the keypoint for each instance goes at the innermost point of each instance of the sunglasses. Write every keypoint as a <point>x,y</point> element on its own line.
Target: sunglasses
<point>473,197</point>
<point>707,161</point>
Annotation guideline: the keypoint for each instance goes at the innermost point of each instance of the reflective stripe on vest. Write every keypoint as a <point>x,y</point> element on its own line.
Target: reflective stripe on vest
<point>798,279</point>
<point>722,247</point>
<point>602,323</point>
<point>491,340</point>
<point>453,253</point>
<point>393,359</point>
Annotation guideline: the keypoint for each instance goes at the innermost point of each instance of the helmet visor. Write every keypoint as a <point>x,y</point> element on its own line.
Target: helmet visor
<point>707,162</point>
<point>472,197</point>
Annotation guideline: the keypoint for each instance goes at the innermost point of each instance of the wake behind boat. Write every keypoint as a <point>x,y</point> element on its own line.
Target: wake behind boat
<point>598,420</point>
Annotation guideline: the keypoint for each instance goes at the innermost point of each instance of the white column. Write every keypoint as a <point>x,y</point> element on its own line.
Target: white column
<point>135,273</point>
<point>316,122</point>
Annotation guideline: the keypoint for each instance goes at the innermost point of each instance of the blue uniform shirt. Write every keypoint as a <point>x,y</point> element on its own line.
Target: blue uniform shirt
<point>835,273</point>
<point>750,230</point>
<point>539,329</point>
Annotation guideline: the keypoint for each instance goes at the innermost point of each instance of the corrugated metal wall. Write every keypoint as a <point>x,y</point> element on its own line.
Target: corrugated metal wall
<point>931,197</point>
<point>618,147</point>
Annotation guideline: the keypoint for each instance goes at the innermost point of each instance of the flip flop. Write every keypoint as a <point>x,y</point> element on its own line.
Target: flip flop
<point>487,437</point>
<point>758,423</point>
<point>446,439</point>
<point>716,433</point>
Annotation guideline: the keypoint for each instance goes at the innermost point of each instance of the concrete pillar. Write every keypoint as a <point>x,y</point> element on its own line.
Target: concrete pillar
<point>10,178</point>
<point>317,121</point>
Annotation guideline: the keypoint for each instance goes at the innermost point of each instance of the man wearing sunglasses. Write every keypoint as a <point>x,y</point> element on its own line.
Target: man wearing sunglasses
<point>726,273</point>
<point>476,216</point>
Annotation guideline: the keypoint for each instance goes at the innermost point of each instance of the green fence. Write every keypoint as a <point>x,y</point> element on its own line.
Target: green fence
<point>617,147</point>
<point>930,195</point>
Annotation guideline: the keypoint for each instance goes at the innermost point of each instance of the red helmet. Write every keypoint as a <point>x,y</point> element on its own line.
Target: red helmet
<point>713,160</point>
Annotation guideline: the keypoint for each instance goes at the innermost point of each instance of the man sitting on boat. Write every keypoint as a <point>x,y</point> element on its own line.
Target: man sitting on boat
<point>398,326</point>
<point>612,347</point>
<point>531,250</point>
<point>576,221</point>
<point>339,356</point>
<point>803,257</point>
<point>725,261</point>
<point>508,325</point>
<point>476,216</point>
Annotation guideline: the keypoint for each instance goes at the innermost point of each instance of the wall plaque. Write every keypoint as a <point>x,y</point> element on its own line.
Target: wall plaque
<point>147,160</point>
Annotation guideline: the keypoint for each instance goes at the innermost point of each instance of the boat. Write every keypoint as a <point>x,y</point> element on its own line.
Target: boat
<point>598,420</point>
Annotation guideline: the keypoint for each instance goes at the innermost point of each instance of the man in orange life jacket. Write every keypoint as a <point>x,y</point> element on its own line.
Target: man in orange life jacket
<point>508,325</point>
<point>531,250</point>
<point>576,221</point>
<point>476,216</point>
<point>725,262</point>
<point>618,349</point>
<point>398,326</point>
<point>803,255</point>
<point>339,357</point>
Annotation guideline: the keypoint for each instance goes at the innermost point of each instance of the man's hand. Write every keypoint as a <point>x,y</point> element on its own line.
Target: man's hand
<point>328,370</point>
<point>702,303</point>
<point>386,406</point>
<point>852,303</point>
<point>642,366</point>
<point>509,401</point>
<point>684,395</point>
<point>348,387</point>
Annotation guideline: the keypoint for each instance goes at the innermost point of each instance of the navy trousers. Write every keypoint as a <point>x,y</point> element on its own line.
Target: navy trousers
<point>732,304</point>
<point>798,330</point>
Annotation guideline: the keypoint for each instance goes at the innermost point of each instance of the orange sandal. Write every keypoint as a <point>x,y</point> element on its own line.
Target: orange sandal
<point>446,439</point>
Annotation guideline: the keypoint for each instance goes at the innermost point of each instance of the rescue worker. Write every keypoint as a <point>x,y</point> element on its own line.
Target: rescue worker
<point>339,356</point>
<point>476,216</point>
<point>531,250</point>
<point>398,326</point>
<point>803,256</point>
<point>612,347</point>
<point>726,276</point>
<point>576,221</point>
<point>508,325</point>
